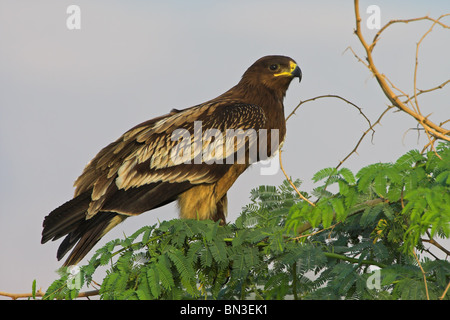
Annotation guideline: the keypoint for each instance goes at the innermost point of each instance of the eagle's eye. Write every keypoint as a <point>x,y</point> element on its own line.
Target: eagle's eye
<point>274,67</point>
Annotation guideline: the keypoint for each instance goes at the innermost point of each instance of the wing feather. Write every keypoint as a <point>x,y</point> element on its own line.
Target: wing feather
<point>144,155</point>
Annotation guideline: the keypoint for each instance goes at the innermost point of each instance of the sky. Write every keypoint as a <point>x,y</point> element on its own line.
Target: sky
<point>65,94</point>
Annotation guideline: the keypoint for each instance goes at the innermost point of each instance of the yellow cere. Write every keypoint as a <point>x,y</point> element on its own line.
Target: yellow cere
<point>292,66</point>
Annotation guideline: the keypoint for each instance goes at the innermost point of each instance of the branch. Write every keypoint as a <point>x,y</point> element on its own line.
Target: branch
<point>435,88</point>
<point>328,96</point>
<point>371,126</point>
<point>445,292</point>
<point>16,296</point>
<point>40,293</point>
<point>376,38</point>
<point>436,244</point>
<point>428,125</point>
<point>292,184</point>
<point>363,136</point>
<point>314,233</point>
<point>424,275</point>
<point>354,260</point>
<point>417,53</point>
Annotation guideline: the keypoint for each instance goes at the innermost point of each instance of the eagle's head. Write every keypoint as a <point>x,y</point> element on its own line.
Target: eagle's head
<point>273,72</point>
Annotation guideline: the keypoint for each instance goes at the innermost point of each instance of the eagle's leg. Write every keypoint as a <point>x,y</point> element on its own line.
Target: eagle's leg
<point>198,203</point>
<point>221,213</point>
<point>201,203</point>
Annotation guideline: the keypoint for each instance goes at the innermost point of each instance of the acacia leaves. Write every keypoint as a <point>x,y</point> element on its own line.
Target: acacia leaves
<point>411,194</point>
<point>283,248</point>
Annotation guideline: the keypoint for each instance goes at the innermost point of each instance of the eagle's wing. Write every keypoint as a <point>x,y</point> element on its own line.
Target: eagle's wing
<point>141,170</point>
<point>150,163</point>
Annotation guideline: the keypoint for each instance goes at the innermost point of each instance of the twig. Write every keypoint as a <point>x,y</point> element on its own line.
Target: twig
<point>15,296</point>
<point>371,126</point>
<point>423,274</point>
<point>442,85</point>
<point>316,232</point>
<point>445,292</point>
<point>40,293</point>
<point>362,137</point>
<point>353,260</point>
<point>376,38</point>
<point>293,185</point>
<point>436,131</point>
<point>294,280</point>
<point>417,55</point>
<point>87,294</point>
<point>433,242</point>
<point>356,56</point>
<point>403,94</point>
<point>436,244</point>
<point>328,96</point>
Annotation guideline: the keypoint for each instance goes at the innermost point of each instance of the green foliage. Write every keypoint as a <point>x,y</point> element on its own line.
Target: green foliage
<point>281,247</point>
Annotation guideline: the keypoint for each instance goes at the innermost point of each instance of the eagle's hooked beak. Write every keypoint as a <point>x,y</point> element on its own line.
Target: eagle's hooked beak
<point>296,72</point>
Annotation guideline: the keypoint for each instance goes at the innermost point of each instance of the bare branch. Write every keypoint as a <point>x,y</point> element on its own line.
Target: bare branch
<point>328,96</point>
<point>316,232</point>
<point>417,55</point>
<point>363,136</point>
<point>436,244</point>
<point>371,126</point>
<point>357,57</point>
<point>377,36</point>
<point>445,291</point>
<point>16,296</point>
<point>292,184</point>
<point>40,293</point>
<point>435,88</point>
<point>423,273</point>
<point>429,126</point>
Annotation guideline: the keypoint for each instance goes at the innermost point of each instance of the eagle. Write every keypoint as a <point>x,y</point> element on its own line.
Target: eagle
<point>188,156</point>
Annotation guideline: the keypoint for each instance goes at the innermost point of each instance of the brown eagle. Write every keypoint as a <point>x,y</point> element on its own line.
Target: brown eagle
<point>187,155</point>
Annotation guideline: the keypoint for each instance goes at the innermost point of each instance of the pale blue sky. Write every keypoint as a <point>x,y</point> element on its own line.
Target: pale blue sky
<point>66,94</point>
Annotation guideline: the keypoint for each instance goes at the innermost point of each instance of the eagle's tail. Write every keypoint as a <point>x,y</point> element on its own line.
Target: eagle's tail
<point>70,220</point>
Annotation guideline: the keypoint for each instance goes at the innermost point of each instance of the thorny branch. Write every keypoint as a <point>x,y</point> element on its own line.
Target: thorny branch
<point>377,36</point>
<point>410,105</point>
<point>423,274</point>
<point>328,96</point>
<point>40,293</point>
<point>292,184</point>
<point>370,129</point>
<point>433,131</point>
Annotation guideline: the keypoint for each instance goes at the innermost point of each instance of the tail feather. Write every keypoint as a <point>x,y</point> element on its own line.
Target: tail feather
<point>88,233</point>
<point>65,218</point>
<point>70,220</point>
